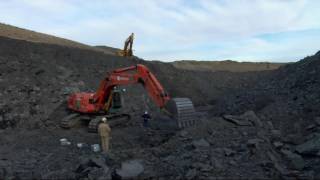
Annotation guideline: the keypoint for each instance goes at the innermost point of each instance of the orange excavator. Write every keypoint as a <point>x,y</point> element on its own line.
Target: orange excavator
<point>127,49</point>
<point>107,99</point>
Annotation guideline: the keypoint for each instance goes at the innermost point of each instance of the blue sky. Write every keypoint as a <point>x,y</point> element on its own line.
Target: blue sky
<point>244,30</point>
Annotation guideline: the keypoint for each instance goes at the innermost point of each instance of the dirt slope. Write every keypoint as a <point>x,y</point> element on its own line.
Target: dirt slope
<point>228,65</point>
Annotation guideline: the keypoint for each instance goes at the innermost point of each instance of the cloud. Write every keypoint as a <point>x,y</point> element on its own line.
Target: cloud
<point>177,29</point>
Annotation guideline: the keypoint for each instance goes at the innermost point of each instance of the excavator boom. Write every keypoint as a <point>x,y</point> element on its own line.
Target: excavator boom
<point>94,102</point>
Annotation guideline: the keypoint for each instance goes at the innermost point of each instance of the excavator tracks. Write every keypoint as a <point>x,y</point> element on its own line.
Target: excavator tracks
<point>73,120</point>
<point>93,125</point>
<point>182,111</point>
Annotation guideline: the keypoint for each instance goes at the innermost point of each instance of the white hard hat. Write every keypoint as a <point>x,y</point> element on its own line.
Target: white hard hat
<point>146,112</point>
<point>104,119</point>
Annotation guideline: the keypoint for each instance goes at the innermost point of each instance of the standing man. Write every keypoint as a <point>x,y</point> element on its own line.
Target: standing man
<point>104,131</point>
<point>146,117</point>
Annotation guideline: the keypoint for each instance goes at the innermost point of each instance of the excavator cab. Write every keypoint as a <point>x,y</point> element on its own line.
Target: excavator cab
<point>113,101</point>
<point>116,99</point>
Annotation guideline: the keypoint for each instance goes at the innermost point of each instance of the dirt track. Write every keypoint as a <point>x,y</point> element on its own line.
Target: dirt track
<point>36,79</point>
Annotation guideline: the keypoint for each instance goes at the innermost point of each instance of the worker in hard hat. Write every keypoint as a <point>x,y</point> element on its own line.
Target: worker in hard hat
<point>104,131</point>
<point>146,117</point>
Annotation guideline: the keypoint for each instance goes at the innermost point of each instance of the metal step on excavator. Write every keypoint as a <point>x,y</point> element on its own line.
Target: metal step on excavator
<point>106,101</point>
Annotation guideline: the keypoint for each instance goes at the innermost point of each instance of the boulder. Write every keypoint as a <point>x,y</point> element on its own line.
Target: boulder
<point>100,162</point>
<point>216,163</point>
<point>251,116</point>
<point>317,120</point>
<point>183,133</point>
<point>89,164</point>
<point>311,127</point>
<point>200,143</point>
<point>237,120</point>
<point>296,160</point>
<point>275,134</point>
<point>246,119</point>
<point>293,139</point>
<point>191,174</point>
<point>228,152</point>
<point>277,144</point>
<point>130,169</point>
<point>310,147</point>
<point>96,173</point>
<point>254,142</point>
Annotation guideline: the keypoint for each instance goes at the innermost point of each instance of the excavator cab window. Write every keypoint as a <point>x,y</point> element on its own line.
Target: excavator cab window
<point>91,100</point>
<point>116,99</point>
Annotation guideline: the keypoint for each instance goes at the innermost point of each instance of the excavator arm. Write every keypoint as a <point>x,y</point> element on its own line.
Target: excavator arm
<point>127,49</point>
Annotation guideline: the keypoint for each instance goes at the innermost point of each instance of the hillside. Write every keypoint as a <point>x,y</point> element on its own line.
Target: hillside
<point>228,65</point>
<point>32,36</point>
<point>233,66</point>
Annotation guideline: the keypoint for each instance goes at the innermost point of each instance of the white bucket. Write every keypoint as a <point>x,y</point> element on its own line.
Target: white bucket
<point>64,142</point>
<point>95,147</point>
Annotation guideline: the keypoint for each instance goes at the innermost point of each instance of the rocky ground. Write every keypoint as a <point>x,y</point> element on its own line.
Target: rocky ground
<point>250,124</point>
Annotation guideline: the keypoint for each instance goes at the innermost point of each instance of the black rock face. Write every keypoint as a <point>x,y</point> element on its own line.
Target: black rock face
<point>280,109</point>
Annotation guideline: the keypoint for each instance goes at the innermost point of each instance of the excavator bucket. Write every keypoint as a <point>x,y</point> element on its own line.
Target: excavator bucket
<point>182,111</point>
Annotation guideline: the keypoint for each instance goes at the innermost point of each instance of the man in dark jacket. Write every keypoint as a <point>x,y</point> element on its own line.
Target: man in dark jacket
<point>146,117</point>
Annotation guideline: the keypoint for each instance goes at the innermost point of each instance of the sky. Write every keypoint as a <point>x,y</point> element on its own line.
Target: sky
<point>167,30</point>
